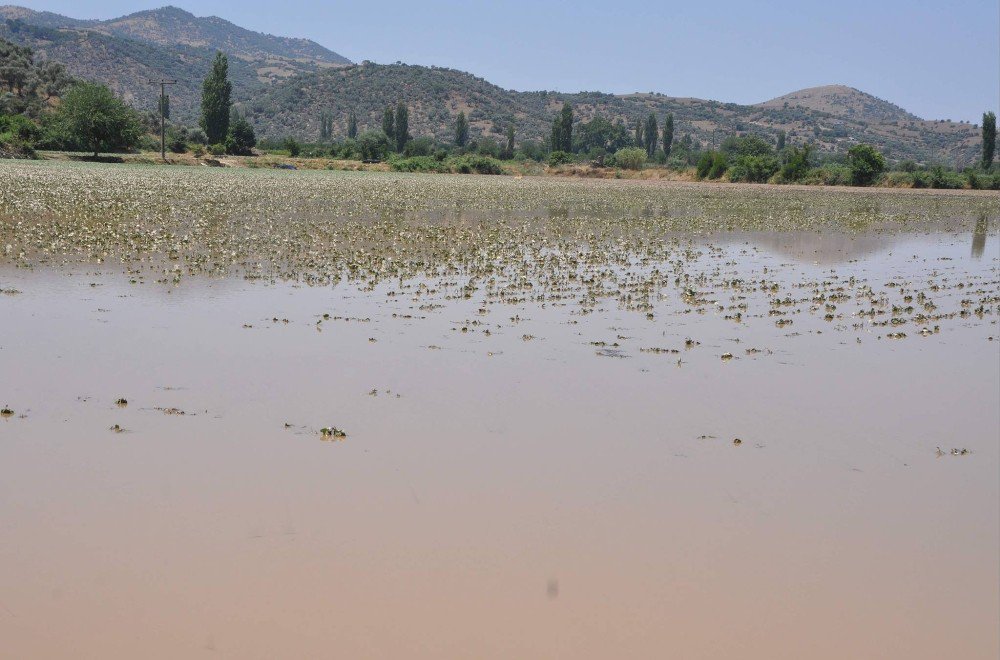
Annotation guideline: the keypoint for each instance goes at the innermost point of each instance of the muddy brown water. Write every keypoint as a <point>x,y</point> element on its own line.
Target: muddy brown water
<point>535,493</point>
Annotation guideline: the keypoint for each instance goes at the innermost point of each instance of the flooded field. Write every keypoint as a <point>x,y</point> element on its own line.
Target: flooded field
<point>288,414</point>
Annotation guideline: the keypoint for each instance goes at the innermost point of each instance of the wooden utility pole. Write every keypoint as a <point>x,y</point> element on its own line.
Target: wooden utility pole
<point>163,122</point>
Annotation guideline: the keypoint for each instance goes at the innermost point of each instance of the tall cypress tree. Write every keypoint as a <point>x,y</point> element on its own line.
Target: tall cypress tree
<point>216,93</point>
<point>389,124</point>
<point>325,125</point>
<point>461,130</point>
<point>566,128</point>
<point>668,134</point>
<point>509,151</point>
<point>989,138</point>
<point>781,140</point>
<point>651,134</point>
<point>352,125</point>
<point>638,133</point>
<point>402,125</point>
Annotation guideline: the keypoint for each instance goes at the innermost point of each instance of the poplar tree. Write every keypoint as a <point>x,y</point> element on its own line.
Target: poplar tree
<point>461,130</point>
<point>781,140</point>
<point>509,151</point>
<point>216,101</point>
<point>389,124</point>
<point>989,138</point>
<point>668,134</point>
<point>651,134</point>
<point>638,133</point>
<point>562,130</point>
<point>402,126</point>
<point>352,125</point>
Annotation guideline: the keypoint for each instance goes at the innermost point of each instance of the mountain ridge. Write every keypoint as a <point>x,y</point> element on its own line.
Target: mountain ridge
<point>285,88</point>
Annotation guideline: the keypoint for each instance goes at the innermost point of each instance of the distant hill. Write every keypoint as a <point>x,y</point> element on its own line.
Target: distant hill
<point>285,84</point>
<point>842,101</point>
<point>171,26</point>
<point>436,95</point>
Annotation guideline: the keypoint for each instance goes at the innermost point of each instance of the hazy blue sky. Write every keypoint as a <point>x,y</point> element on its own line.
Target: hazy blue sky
<point>940,60</point>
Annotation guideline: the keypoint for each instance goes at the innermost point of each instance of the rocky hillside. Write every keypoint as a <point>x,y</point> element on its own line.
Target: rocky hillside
<point>286,84</point>
<point>436,95</point>
<point>170,26</point>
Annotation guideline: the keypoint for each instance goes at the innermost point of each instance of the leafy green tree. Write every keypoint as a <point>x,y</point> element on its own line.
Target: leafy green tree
<point>651,134</point>
<point>781,140</point>
<point>241,139</point>
<point>461,130</point>
<point>352,126</point>
<point>402,126</point>
<point>216,100</point>
<point>562,130</point>
<point>866,164</point>
<point>389,123</point>
<point>668,135</point>
<point>989,139</point>
<point>508,151</point>
<point>93,116</point>
<point>638,134</point>
<point>373,145</point>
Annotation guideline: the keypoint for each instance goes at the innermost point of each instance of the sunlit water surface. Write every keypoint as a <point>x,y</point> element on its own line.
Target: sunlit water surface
<point>545,490</point>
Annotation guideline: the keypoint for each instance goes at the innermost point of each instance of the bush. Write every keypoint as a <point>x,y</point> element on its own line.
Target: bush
<point>373,146</point>
<point>217,149</point>
<point>241,139</point>
<point>796,165</point>
<point>478,164</point>
<point>560,158</point>
<point>719,166</point>
<point>946,179</point>
<point>421,146</point>
<point>753,169</point>
<point>198,150</point>
<point>418,164</point>
<point>20,127</point>
<point>866,164</point>
<point>292,146</point>
<point>828,175</point>
<point>630,158</point>
<point>704,165</point>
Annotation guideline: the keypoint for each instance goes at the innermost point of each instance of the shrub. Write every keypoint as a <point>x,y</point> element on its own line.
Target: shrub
<point>373,146</point>
<point>630,158</point>
<point>241,139</point>
<point>418,164</point>
<point>421,146</point>
<point>704,165</point>
<point>217,149</point>
<point>828,175</point>
<point>946,179</point>
<point>478,164</point>
<point>719,166</point>
<point>796,164</point>
<point>753,169</point>
<point>198,150</point>
<point>292,146</point>
<point>560,158</point>
<point>866,164</point>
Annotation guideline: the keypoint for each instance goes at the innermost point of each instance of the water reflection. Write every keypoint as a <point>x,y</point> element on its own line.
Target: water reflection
<point>979,236</point>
